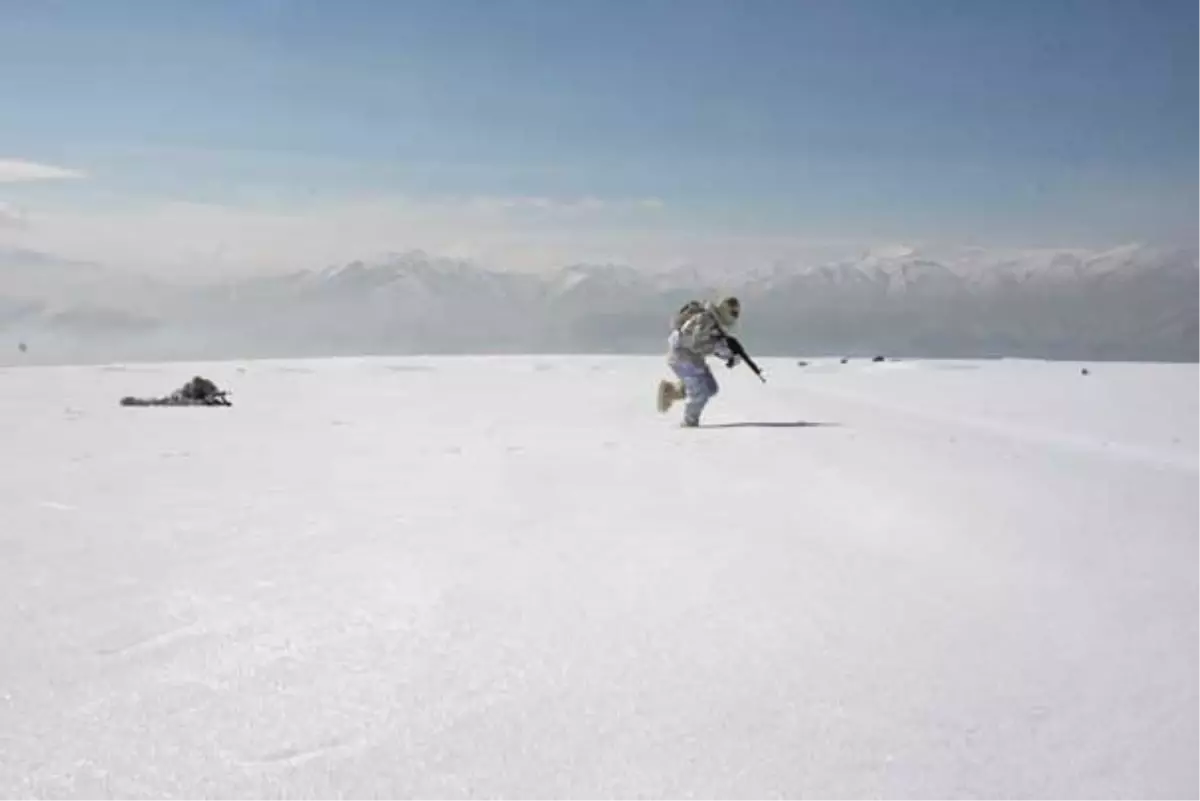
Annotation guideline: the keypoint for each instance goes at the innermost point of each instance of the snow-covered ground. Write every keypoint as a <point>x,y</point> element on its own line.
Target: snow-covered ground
<point>511,577</point>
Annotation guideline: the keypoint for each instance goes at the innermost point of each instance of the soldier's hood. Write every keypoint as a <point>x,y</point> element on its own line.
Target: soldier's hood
<point>728,322</point>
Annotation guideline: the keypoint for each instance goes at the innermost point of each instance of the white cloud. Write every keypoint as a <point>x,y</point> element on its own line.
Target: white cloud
<point>19,171</point>
<point>13,217</point>
<point>527,233</point>
<point>572,206</point>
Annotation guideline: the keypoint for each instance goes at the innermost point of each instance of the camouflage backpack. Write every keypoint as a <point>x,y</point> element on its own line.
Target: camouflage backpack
<point>685,311</point>
<point>199,388</point>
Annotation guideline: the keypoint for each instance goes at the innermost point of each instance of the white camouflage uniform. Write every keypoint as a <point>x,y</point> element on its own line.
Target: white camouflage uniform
<point>699,335</point>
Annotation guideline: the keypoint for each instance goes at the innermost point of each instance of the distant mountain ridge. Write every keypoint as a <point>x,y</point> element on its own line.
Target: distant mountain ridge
<point>1134,303</point>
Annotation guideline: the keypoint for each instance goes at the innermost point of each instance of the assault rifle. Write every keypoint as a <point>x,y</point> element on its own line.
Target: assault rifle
<point>736,347</point>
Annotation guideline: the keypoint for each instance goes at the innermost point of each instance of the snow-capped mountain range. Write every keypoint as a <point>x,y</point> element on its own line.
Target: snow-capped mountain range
<point>1130,303</point>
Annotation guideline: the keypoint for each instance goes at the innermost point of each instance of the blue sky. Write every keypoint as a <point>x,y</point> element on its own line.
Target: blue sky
<point>1014,122</point>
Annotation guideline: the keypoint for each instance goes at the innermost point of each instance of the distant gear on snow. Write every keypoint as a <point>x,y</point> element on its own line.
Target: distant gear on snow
<point>199,391</point>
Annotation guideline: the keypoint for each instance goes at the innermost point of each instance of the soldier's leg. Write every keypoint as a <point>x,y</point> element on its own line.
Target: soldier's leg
<point>700,387</point>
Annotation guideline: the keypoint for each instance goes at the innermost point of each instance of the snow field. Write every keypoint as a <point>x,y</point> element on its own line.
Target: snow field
<point>509,576</point>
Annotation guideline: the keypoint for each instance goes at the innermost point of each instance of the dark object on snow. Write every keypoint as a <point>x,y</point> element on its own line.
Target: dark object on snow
<point>877,359</point>
<point>802,363</point>
<point>171,400</point>
<point>1085,371</point>
<point>199,388</point>
<point>844,361</point>
<point>21,346</point>
<point>197,392</point>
